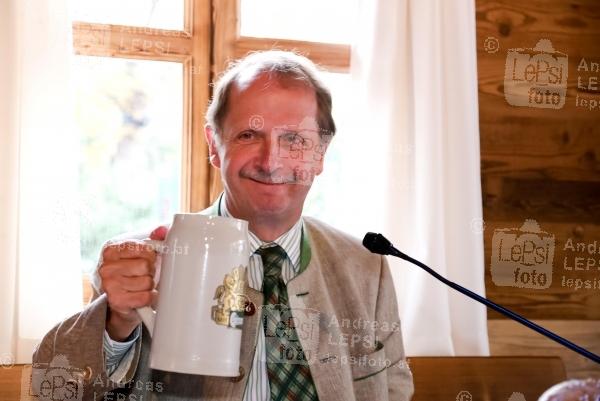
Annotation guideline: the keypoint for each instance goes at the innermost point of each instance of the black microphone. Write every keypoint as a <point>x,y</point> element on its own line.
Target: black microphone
<point>377,243</point>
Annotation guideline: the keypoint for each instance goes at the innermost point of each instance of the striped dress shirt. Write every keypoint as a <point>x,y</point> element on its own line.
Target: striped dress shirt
<point>257,387</point>
<point>120,354</point>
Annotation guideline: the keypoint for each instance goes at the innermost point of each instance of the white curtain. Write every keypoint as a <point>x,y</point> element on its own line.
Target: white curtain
<point>414,67</point>
<point>40,275</point>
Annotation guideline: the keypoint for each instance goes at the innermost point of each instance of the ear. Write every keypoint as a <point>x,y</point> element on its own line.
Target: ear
<point>211,140</point>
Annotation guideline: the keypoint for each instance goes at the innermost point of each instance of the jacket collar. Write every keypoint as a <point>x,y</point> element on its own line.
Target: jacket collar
<point>305,252</point>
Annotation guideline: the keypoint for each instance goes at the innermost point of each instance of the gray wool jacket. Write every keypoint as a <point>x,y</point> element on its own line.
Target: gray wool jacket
<point>358,354</point>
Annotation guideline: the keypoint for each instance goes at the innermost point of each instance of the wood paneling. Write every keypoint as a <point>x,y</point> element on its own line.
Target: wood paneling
<point>87,290</point>
<point>226,23</point>
<point>11,381</point>
<point>198,73</point>
<point>479,378</point>
<point>560,301</point>
<point>511,338</point>
<point>435,378</point>
<point>131,42</point>
<point>540,163</point>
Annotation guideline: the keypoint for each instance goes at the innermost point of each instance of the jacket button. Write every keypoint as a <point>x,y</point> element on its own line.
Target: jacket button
<point>240,377</point>
<point>85,374</point>
<point>88,373</point>
<point>249,308</point>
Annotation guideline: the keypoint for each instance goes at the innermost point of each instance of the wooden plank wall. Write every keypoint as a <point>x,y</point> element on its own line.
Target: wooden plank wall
<point>543,164</point>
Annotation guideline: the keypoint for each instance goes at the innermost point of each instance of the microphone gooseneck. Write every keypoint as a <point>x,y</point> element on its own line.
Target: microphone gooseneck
<point>377,243</point>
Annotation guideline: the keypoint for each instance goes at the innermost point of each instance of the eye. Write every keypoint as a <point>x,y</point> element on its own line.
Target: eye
<point>292,138</point>
<point>246,136</point>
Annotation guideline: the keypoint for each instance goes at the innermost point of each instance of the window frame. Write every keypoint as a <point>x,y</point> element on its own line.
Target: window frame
<point>229,45</point>
<point>209,41</point>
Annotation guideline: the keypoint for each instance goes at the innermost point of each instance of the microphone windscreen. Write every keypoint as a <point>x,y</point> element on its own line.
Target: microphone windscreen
<point>377,243</point>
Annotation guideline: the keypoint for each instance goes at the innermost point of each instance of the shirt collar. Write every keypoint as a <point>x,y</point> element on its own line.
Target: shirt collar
<point>289,241</point>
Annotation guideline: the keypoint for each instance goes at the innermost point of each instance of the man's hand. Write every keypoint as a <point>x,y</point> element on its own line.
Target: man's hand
<point>127,273</point>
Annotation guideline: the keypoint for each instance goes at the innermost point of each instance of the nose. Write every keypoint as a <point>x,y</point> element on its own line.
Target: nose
<point>270,159</point>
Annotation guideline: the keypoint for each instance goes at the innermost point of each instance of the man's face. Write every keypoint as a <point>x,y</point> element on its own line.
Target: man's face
<point>269,149</point>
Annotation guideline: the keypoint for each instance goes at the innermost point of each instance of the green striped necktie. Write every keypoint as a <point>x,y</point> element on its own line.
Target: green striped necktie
<point>287,367</point>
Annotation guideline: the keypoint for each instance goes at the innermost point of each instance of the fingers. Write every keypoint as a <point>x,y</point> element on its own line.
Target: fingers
<point>127,276</point>
<point>126,267</point>
<point>159,233</point>
<point>129,249</point>
<point>130,284</point>
<point>124,303</point>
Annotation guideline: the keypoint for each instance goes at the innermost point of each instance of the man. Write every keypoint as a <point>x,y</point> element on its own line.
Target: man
<point>268,128</point>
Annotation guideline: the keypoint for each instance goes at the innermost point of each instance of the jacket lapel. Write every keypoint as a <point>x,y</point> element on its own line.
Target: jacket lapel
<point>312,311</point>
<point>309,298</point>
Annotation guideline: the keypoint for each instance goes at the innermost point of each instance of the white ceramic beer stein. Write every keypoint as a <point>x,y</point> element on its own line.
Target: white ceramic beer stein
<point>197,325</point>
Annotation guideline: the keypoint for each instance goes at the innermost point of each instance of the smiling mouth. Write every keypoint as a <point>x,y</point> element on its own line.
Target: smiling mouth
<point>273,183</point>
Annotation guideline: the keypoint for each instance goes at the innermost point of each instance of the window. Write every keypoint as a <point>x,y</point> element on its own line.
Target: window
<point>129,117</point>
<point>328,184</point>
<point>139,69</point>
<point>135,59</point>
<point>328,21</point>
<point>164,14</point>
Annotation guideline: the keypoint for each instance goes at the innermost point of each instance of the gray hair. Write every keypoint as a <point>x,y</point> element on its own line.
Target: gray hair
<point>280,65</point>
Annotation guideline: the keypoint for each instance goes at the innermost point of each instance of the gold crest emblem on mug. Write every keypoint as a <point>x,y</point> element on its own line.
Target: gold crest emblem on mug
<point>231,301</point>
